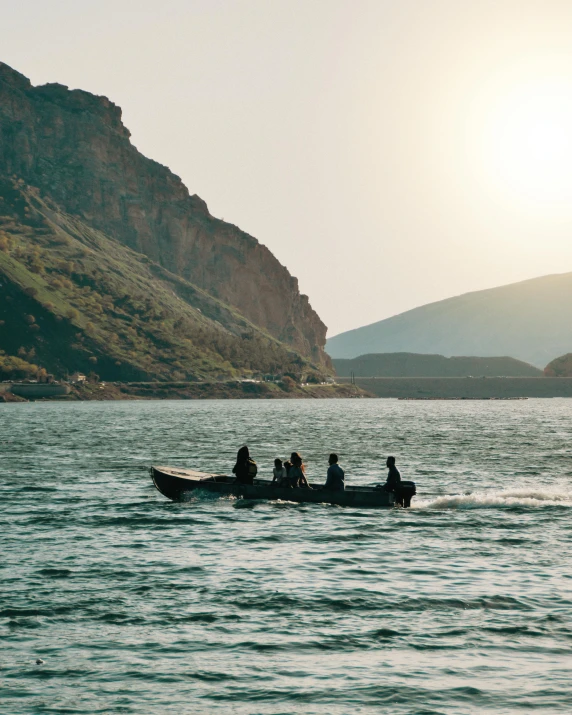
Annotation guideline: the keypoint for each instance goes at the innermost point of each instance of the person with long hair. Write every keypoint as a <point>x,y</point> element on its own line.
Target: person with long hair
<point>245,468</point>
<point>297,474</point>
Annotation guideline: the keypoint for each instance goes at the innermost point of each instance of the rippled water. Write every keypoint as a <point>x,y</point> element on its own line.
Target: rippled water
<point>460,605</point>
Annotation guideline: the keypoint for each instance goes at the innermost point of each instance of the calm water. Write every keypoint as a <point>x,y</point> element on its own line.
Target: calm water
<point>461,605</point>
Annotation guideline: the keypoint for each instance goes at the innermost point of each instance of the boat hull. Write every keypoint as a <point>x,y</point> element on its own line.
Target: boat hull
<point>179,484</point>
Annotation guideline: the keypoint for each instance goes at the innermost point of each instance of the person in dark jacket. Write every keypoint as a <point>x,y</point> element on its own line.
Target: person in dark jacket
<point>245,468</point>
<point>393,482</point>
<point>393,476</point>
<point>335,479</point>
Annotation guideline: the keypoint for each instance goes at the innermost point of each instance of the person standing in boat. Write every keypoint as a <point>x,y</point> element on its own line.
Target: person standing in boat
<point>297,475</point>
<point>335,480</point>
<point>393,477</point>
<point>245,468</point>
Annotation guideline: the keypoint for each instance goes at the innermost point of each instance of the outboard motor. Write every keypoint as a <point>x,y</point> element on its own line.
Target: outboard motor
<point>404,493</point>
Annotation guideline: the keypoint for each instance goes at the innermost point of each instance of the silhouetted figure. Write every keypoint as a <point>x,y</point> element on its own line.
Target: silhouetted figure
<point>393,476</point>
<point>245,468</point>
<point>335,481</point>
<point>288,467</point>
<point>394,484</point>
<point>297,474</point>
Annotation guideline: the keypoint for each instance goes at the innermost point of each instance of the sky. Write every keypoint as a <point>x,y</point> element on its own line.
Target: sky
<point>390,153</point>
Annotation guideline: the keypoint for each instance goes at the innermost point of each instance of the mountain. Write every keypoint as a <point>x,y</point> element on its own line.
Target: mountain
<point>529,320</point>
<point>74,149</point>
<point>72,298</point>
<point>415,365</point>
<point>560,366</point>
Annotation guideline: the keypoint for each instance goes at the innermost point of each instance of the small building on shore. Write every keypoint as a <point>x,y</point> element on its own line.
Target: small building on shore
<point>77,378</point>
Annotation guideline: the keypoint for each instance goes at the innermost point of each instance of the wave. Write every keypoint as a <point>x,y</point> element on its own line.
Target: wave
<point>506,498</point>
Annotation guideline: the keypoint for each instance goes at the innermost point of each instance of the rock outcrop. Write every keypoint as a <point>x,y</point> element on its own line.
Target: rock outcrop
<point>74,148</point>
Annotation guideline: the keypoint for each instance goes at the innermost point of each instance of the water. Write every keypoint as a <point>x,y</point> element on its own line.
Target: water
<point>460,605</point>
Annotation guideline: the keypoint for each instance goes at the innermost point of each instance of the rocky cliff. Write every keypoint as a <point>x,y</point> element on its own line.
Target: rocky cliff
<point>72,298</point>
<point>74,148</point>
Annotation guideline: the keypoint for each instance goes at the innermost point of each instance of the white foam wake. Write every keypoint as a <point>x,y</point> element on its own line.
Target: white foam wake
<point>525,497</point>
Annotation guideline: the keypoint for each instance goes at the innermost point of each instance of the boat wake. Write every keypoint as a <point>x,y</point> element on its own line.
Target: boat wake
<point>200,495</point>
<point>507,498</point>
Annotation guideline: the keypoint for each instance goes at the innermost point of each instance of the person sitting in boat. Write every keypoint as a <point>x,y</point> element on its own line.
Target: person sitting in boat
<point>288,467</point>
<point>335,478</point>
<point>245,468</point>
<point>393,476</point>
<point>297,475</point>
<point>280,475</point>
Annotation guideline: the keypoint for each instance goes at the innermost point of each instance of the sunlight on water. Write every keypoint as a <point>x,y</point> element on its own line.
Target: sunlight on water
<point>135,604</point>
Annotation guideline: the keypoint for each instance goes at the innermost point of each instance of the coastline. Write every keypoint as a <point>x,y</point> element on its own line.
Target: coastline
<point>412,388</point>
<point>463,387</point>
<point>232,390</point>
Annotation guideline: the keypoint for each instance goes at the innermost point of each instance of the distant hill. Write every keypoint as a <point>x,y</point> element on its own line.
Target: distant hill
<point>560,367</point>
<point>415,365</point>
<point>530,320</point>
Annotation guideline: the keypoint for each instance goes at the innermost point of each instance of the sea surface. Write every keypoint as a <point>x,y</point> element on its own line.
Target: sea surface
<point>461,605</point>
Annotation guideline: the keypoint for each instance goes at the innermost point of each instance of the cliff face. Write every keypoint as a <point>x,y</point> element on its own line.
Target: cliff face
<point>73,146</point>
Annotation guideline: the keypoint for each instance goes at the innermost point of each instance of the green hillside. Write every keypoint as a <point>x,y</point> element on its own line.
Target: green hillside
<point>72,298</point>
<point>415,365</point>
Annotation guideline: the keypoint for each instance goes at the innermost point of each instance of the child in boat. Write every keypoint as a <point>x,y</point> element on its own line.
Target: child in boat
<point>297,475</point>
<point>280,475</point>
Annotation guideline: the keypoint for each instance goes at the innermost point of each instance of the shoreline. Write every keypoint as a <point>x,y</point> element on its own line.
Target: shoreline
<point>233,390</point>
<point>448,388</point>
<point>403,388</point>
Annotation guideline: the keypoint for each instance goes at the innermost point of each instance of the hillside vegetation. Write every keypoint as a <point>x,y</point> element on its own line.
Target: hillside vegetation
<point>560,367</point>
<point>414,365</point>
<point>73,298</point>
<point>74,148</point>
<point>529,320</point>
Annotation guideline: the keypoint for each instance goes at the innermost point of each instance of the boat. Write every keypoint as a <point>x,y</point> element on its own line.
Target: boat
<point>179,484</point>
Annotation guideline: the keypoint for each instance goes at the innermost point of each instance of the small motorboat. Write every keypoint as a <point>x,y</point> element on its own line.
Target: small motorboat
<point>178,484</point>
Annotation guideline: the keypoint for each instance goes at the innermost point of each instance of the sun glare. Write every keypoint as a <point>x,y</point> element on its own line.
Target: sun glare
<point>527,142</point>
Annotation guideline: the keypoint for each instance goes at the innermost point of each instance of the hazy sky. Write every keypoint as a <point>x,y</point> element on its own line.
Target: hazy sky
<point>389,152</point>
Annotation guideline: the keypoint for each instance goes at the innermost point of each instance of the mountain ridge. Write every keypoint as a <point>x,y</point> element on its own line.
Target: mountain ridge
<point>71,298</point>
<point>528,320</point>
<point>73,146</point>
<point>419,365</point>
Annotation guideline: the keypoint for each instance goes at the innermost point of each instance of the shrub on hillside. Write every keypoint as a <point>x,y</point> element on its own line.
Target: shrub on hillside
<point>14,368</point>
<point>5,242</point>
<point>288,384</point>
<point>314,378</point>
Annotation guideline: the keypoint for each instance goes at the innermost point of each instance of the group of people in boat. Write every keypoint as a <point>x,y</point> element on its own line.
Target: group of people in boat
<point>291,474</point>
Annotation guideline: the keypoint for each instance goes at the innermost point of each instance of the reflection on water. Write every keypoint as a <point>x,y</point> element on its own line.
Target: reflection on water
<point>460,605</point>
